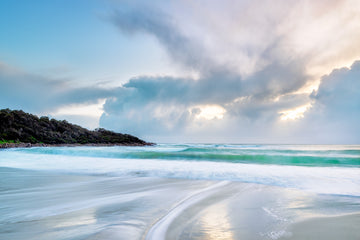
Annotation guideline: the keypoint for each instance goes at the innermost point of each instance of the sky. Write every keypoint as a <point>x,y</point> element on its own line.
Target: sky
<point>231,71</point>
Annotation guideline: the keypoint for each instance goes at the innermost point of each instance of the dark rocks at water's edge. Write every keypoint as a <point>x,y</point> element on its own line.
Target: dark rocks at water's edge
<point>22,145</point>
<point>20,129</point>
<point>29,145</point>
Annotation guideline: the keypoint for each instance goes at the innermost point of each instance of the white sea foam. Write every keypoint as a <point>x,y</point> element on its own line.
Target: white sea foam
<point>329,180</point>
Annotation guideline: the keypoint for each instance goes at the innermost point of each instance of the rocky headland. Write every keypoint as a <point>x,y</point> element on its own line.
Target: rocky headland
<point>20,129</point>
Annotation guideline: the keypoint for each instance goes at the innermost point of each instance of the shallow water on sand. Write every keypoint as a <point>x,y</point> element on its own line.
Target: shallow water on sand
<point>89,193</point>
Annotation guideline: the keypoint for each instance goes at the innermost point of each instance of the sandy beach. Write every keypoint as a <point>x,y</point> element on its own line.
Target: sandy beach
<point>336,227</point>
<point>55,206</point>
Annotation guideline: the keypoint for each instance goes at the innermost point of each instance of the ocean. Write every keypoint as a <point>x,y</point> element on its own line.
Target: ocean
<point>181,191</point>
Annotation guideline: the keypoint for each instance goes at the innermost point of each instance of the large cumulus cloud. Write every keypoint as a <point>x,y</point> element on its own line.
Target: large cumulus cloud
<point>253,60</point>
<point>168,105</point>
<point>334,117</point>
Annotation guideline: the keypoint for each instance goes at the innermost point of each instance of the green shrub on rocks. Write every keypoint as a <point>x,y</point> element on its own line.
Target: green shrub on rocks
<point>17,126</point>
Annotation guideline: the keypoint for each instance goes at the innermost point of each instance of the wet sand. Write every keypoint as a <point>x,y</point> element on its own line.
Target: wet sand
<point>250,211</point>
<point>331,228</point>
<point>50,205</point>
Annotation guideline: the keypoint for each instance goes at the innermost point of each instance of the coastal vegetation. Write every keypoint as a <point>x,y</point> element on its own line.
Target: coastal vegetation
<point>17,127</point>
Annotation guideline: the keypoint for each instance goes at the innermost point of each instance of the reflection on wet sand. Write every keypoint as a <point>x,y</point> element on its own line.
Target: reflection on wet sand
<point>216,224</point>
<point>86,217</point>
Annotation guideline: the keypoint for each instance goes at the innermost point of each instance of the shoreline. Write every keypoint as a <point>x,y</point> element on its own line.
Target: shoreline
<point>30,145</point>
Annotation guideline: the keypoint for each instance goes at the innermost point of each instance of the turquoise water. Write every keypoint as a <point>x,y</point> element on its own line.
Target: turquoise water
<point>297,155</point>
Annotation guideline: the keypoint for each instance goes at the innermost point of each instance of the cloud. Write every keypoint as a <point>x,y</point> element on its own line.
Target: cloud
<point>168,105</point>
<point>247,35</point>
<point>133,19</point>
<point>334,117</point>
<point>339,91</point>
<point>160,106</point>
<point>38,94</point>
<point>254,60</point>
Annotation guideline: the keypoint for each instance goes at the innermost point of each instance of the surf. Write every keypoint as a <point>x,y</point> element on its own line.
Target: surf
<point>342,178</point>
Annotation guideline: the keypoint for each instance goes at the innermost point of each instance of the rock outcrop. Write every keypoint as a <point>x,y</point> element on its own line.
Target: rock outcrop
<point>18,128</point>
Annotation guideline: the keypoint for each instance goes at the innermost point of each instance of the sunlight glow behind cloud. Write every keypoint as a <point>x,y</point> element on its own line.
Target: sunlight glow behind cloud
<point>209,112</point>
<point>293,114</point>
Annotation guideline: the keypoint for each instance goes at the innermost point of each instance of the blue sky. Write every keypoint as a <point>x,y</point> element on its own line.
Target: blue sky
<point>73,39</point>
<point>187,71</point>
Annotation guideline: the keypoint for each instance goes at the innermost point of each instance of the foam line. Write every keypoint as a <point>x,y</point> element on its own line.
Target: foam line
<point>326,180</point>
